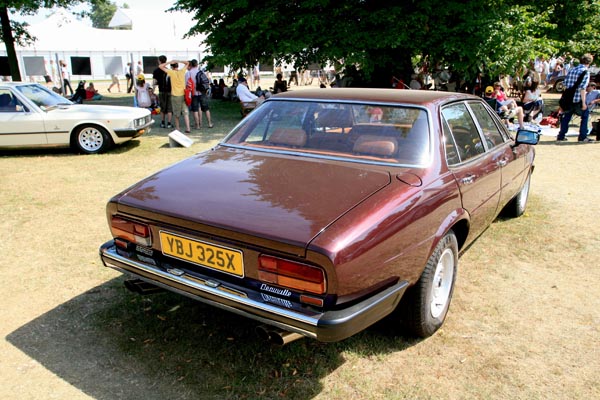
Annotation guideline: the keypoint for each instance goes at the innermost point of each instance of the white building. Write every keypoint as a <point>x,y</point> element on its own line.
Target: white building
<point>92,53</point>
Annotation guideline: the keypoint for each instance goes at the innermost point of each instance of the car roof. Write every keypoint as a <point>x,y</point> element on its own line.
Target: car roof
<point>368,95</point>
<point>7,84</point>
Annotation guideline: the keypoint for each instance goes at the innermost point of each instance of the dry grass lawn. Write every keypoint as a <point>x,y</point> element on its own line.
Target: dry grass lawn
<point>524,322</point>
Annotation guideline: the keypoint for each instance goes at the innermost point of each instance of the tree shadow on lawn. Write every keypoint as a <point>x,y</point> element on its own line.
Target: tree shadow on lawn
<point>110,344</point>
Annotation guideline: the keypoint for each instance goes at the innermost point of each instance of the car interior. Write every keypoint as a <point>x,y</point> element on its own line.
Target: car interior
<point>393,135</point>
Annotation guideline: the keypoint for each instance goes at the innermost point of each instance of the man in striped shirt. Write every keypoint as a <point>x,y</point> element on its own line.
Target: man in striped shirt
<point>571,79</point>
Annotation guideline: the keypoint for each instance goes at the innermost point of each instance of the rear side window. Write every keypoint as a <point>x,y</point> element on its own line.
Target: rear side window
<point>490,130</point>
<point>462,132</point>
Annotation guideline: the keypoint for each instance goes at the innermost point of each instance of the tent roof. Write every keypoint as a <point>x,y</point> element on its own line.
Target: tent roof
<point>120,19</point>
<point>149,32</point>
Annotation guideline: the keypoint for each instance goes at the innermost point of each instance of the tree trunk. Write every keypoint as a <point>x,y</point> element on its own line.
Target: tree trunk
<point>9,42</point>
<point>390,68</point>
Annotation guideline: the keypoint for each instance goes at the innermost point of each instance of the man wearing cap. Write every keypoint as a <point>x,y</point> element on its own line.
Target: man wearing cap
<point>245,95</point>
<point>177,77</point>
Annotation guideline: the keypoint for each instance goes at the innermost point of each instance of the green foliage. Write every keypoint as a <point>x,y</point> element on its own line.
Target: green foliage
<point>29,7</point>
<point>101,13</point>
<point>21,36</point>
<point>498,36</point>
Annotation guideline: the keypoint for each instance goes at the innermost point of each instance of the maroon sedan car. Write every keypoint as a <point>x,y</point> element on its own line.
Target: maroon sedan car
<point>327,210</point>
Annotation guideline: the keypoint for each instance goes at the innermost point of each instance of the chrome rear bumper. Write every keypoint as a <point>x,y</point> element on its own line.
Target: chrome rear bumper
<point>329,326</point>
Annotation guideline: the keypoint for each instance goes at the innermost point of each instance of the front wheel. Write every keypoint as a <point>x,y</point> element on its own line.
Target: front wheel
<point>559,86</point>
<point>91,139</point>
<point>425,305</point>
<point>516,207</point>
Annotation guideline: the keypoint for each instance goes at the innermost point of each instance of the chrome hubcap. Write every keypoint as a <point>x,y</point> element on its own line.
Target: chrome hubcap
<point>442,283</point>
<point>90,139</point>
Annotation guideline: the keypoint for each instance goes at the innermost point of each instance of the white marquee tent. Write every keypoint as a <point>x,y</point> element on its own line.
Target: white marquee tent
<point>92,53</point>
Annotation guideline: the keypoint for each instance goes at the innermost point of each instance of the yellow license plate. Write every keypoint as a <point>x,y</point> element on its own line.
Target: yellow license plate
<point>201,253</point>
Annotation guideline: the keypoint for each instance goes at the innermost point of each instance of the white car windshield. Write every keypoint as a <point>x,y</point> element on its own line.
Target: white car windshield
<point>41,96</point>
<point>367,132</point>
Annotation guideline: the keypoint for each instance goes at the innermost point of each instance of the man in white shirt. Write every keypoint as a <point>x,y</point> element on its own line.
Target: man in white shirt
<point>245,95</point>
<point>592,97</point>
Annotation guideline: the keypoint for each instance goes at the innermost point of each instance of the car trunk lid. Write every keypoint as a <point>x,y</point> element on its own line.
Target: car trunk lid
<point>282,198</point>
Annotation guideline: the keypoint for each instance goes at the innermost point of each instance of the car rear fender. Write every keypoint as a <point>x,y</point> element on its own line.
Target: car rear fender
<point>459,222</point>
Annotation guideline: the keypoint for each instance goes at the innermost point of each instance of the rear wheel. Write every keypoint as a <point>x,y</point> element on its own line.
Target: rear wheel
<point>91,139</point>
<point>425,305</point>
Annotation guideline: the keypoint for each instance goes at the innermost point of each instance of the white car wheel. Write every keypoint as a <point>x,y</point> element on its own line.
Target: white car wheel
<point>443,279</point>
<point>92,139</point>
<point>425,305</point>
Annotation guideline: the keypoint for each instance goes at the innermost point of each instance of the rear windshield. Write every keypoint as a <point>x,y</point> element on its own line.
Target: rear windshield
<point>378,133</point>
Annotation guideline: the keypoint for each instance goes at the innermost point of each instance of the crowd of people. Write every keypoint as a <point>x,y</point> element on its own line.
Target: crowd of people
<point>519,97</point>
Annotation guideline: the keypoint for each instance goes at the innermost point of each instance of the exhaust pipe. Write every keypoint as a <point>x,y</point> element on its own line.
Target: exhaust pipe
<point>277,336</point>
<point>142,287</point>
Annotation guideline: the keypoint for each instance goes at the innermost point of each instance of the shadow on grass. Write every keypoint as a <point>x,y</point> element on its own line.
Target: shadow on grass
<point>66,151</point>
<point>112,344</point>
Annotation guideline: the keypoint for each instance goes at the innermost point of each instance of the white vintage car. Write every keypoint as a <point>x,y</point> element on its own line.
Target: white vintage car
<point>32,115</point>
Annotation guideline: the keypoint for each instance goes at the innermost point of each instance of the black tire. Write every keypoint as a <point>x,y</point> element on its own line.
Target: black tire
<point>91,139</point>
<point>559,86</point>
<point>517,205</point>
<point>425,305</point>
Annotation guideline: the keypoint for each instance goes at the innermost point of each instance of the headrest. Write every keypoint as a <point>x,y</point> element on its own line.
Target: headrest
<point>289,137</point>
<point>376,145</point>
<point>5,99</point>
<point>335,118</point>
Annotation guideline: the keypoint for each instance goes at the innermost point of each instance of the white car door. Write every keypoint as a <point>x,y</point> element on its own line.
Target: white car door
<point>20,125</point>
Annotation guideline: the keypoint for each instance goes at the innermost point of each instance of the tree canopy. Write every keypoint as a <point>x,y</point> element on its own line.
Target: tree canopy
<point>101,13</point>
<point>379,38</point>
<point>386,38</point>
<point>17,32</point>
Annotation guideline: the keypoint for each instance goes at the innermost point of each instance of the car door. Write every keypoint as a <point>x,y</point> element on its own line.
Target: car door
<point>477,171</point>
<point>498,142</point>
<point>20,124</point>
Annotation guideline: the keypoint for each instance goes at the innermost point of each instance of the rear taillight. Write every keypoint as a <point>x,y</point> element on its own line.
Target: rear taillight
<point>291,274</point>
<point>131,231</point>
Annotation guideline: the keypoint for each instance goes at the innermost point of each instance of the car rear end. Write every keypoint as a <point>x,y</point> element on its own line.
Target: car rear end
<point>239,273</point>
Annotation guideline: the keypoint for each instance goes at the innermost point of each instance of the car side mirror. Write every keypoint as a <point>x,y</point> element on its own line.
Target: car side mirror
<point>526,136</point>
<point>19,108</point>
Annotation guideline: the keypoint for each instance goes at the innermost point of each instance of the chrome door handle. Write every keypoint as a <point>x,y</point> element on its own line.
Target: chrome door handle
<point>468,179</point>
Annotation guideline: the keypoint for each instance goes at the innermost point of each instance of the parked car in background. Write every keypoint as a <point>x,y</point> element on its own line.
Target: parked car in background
<point>558,82</point>
<point>325,211</point>
<point>31,115</point>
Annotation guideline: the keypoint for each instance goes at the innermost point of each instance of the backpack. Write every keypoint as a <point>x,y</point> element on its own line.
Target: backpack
<point>189,91</point>
<point>202,82</point>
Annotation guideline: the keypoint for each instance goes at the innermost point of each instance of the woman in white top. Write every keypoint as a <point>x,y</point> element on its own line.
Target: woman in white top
<point>142,95</point>
<point>533,105</point>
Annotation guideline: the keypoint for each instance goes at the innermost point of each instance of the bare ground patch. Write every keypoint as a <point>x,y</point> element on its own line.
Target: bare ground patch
<point>524,323</point>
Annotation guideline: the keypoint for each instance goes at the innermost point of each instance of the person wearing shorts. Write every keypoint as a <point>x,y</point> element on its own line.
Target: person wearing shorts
<point>199,99</point>
<point>166,108</point>
<point>180,109</point>
<point>164,94</point>
<point>115,82</point>
<point>177,78</point>
<point>204,108</point>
